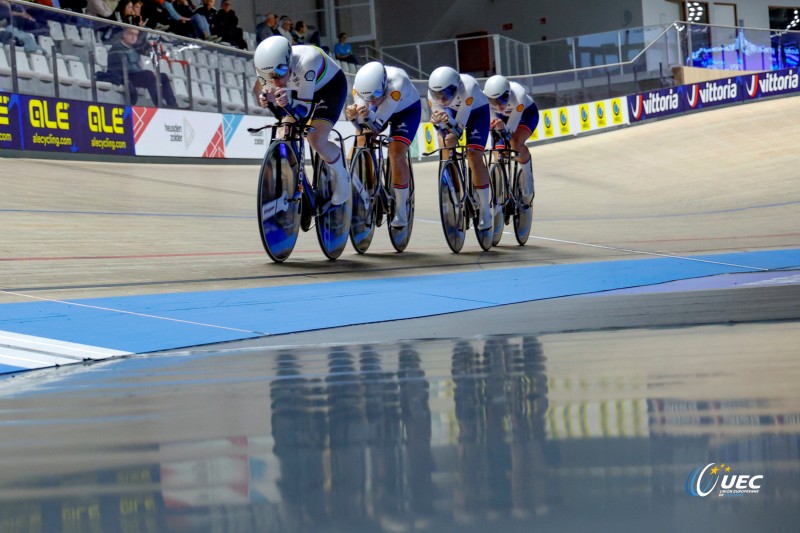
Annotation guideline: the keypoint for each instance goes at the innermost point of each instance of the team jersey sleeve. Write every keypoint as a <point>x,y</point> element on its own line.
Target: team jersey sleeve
<point>519,107</point>
<point>467,99</point>
<point>387,108</point>
<point>306,79</point>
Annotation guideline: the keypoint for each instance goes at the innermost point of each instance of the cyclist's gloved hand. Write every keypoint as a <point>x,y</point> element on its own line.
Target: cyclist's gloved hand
<point>351,112</point>
<point>439,117</point>
<point>497,124</point>
<point>266,97</point>
<point>282,97</point>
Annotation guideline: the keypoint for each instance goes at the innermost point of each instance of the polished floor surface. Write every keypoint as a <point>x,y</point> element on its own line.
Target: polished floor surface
<point>597,406</point>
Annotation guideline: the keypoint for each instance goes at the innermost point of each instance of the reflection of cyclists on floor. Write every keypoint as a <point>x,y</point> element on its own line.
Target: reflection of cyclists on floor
<point>354,447</point>
<point>458,105</point>
<point>500,397</point>
<point>385,96</point>
<point>299,430</point>
<point>294,78</point>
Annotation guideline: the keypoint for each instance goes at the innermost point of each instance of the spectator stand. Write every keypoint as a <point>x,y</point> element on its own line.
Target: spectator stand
<point>71,60</point>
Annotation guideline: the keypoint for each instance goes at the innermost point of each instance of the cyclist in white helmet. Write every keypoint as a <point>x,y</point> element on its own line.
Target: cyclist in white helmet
<point>457,104</point>
<point>515,111</point>
<point>382,96</point>
<point>294,78</point>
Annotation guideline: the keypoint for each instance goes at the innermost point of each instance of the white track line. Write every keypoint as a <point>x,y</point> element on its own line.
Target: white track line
<point>45,346</point>
<point>132,313</point>
<point>628,250</point>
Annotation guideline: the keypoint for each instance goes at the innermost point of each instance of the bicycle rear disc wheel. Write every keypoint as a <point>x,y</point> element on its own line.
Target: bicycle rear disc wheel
<point>450,208</point>
<point>278,209</point>
<point>498,201</point>
<point>523,214</point>
<point>333,224</point>
<point>401,236</point>
<point>362,223</point>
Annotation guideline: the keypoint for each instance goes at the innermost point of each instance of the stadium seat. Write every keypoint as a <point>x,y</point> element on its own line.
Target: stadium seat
<point>181,93</point>
<point>176,68</point>
<point>47,44</point>
<point>232,100</point>
<point>74,37</point>
<point>5,71</point>
<point>56,31</point>
<point>40,66</point>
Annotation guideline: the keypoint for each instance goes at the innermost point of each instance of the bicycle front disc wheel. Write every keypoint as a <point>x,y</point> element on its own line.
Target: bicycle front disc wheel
<point>333,223</point>
<point>496,175</point>
<point>363,183</point>
<point>401,236</point>
<point>278,205</point>
<point>450,207</point>
<point>523,214</point>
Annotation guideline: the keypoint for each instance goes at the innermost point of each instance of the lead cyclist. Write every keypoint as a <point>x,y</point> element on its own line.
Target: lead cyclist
<point>382,96</point>
<point>296,77</point>
<point>516,112</point>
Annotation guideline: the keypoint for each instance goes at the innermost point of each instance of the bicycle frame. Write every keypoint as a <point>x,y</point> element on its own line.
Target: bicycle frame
<point>374,146</point>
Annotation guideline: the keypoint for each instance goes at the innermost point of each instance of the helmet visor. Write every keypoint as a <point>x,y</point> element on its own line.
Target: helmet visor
<point>446,94</point>
<point>279,71</point>
<point>501,100</point>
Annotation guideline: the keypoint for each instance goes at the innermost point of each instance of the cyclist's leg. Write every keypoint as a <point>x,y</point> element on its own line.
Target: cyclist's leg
<point>528,123</point>
<point>477,135</point>
<point>404,128</point>
<point>330,102</point>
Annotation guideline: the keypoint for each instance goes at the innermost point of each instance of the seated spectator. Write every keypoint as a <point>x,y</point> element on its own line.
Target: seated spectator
<point>226,25</point>
<point>300,32</point>
<point>24,21</point>
<point>312,38</point>
<point>268,28</point>
<point>101,8</point>
<point>208,12</point>
<point>285,28</point>
<point>343,51</point>
<point>124,54</point>
<point>178,23</point>
<point>9,31</point>
<point>154,15</point>
<point>78,6</point>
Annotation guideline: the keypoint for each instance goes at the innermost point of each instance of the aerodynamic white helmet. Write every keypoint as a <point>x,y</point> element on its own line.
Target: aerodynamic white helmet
<point>370,82</point>
<point>273,58</point>
<point>498,89</point>
<point>444,83</point>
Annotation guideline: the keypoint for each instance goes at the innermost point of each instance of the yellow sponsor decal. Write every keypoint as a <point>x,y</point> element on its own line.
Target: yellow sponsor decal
<point>396,96</point>
<point>101,122</point>
<point>44,115</point>
<point>4,111</point>
<point>469,101</point>
<point>616,111</point>
<point>549,127</point>
<point>354,92</point>
<point>586,119</point>
<point>600,114</point>
<point>428,137</point>
<point>520,108</point>
<point>563,121</point>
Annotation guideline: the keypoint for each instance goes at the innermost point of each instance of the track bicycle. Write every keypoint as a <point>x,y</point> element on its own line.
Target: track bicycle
<point>373,194</point>
<point>458,204</point>
<point>509,203</point>
<point>288,201</point>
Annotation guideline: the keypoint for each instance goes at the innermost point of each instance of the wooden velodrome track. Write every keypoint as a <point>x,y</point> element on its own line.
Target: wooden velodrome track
<point>724,180</point>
